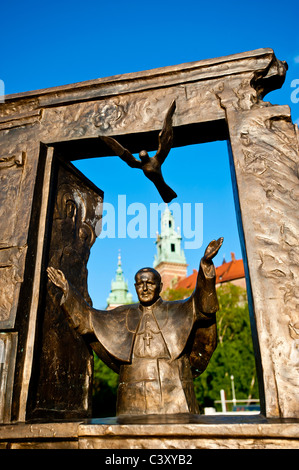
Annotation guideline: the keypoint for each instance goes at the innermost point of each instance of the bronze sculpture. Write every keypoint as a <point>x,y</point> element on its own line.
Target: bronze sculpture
<point>155,346</point>
<point>151,166</point>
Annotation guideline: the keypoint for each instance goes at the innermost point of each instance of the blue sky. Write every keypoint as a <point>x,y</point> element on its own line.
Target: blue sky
<point>56,43</point>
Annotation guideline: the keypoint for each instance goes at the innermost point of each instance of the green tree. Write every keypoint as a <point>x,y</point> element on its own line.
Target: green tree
<point>234,353</point>
<point>176,294</point>
<point>105,383</point>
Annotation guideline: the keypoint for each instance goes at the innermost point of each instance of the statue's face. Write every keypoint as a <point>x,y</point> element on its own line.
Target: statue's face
<point>148,287</point>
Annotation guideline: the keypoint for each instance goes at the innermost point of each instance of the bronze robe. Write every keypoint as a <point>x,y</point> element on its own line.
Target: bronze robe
<point>156,350</point>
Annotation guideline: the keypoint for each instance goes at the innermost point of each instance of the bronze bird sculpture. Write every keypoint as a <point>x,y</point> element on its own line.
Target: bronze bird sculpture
<point>151,166</point>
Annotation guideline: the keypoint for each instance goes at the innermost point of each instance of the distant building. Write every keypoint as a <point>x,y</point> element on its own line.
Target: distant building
<point>232,272</point>
<point>170,259</point>
<point>119,294</point>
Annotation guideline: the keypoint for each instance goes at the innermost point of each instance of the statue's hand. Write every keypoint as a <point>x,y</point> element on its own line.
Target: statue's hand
<point>58,278</point>
<point>212,249</point>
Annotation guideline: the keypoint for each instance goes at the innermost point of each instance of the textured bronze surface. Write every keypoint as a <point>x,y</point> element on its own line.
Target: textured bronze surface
<point>63,365</point>
<point>216,99</point>
<point>8,348</point>
<point>155,432</point>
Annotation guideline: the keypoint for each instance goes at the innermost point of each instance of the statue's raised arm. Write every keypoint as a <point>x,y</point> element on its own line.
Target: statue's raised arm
<point>205,306</point>
<point>212,249</point>
<point>204,295</point>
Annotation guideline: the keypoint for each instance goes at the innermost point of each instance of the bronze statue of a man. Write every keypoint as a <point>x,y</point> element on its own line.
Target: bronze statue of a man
<point>156,346</point>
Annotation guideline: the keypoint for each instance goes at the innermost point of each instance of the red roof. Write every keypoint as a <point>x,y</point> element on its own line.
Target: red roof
<point>224,273</point>
<point>188,282</point>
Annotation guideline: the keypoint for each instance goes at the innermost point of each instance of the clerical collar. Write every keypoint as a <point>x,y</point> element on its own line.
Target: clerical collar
<point>150,307</point>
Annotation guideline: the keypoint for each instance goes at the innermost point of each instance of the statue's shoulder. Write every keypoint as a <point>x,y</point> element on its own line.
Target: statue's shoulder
<point>174,305</point>
<point>125,308</point>
<point>114,329</point>
<point>133,314</point>
<point>128,315</point>
<point>176,320</point>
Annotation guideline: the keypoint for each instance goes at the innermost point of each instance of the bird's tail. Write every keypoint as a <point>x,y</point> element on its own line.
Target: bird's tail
<point>166,193</point>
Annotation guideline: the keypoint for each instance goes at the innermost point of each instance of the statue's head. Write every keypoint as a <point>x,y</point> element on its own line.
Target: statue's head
<point>148,285</point>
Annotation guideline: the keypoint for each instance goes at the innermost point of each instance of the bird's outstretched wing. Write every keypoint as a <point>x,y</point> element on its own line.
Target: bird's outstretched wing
<point>166,135</point>
<point>121,152</point>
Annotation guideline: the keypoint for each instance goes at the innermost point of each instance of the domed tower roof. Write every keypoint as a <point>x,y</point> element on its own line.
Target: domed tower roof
<point>170,260</point>
<point>119,293</point>
<point>169,241</point>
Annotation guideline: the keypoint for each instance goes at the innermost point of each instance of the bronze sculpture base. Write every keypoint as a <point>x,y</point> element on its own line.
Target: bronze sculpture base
<point>155,432</point>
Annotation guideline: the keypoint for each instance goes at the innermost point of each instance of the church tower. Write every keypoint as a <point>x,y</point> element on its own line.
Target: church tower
<point>170,259</point>
<point>119,294</point>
